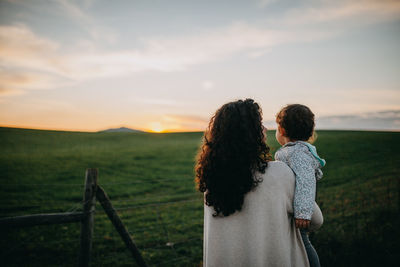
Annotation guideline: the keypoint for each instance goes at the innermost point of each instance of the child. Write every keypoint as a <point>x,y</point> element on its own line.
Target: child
<point>295,128</point>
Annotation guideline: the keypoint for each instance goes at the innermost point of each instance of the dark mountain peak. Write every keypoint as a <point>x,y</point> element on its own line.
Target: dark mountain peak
<point>121,130</point>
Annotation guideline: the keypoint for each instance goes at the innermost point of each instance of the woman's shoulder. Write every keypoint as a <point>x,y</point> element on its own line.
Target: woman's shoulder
<point>277,181</point>
<point>279,169</point>
<point>278,166</point>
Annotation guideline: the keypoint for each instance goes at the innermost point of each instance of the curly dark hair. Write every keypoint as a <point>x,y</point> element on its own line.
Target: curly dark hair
<point>233,150</point>
<point>297,120</point>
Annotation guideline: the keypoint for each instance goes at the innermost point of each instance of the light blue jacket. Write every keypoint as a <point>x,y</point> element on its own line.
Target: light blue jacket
<point>304,161</point>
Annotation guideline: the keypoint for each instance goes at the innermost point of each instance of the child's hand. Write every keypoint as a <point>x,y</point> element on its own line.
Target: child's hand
<point>302,223</point>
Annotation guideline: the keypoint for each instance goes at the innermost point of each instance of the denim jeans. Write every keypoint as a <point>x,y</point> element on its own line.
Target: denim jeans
<point>311,253</point>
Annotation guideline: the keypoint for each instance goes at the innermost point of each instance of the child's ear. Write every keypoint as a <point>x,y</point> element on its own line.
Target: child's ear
<point>313,137</point>
<point>282,131</point>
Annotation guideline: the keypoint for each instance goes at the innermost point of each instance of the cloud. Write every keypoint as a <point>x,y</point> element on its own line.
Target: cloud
<point>171,54</point>
<point>157,101</point>
<point>264,3</point>
<point>74,12</point>
<point>377,120</point>
<point>29,62</point>
<point>87,22</point>
<point>364,11</point>
<point>382,120</point>
<point>355,101</point>
<point>13,82</point>
<point>177,122</point>
<point>23,50</point>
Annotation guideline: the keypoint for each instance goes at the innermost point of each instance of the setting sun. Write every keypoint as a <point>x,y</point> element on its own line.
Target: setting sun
<point>156,127</point>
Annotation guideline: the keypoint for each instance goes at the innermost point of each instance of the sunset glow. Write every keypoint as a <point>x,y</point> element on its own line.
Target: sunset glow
<point>156,127</point>
<point>65,65</point>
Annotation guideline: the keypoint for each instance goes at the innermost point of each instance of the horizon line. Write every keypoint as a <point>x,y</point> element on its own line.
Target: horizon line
<point>181,131</point>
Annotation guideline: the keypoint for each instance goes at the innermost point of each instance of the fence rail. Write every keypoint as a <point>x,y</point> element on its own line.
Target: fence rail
<point>42,219</point>
<point>86,218</point>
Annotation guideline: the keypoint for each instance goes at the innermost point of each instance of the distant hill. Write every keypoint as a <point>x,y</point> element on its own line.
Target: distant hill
<point>121,130</point>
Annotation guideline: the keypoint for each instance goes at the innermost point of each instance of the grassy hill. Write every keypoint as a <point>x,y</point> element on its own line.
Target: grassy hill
<point>149,178</point>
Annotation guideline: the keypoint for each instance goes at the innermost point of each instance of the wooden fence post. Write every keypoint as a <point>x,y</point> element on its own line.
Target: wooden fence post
<point>119,226</point>
<point>89,204</point>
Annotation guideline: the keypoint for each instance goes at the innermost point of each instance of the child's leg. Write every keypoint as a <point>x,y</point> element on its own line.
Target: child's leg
<point>311,253</point>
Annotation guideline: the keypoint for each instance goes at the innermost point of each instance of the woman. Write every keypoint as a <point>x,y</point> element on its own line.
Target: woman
<point>248,211</point>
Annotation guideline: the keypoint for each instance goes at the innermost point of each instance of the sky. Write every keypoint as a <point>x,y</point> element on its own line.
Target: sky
<point>169,65</point>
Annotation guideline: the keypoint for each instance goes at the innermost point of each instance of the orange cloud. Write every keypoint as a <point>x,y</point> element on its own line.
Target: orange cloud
<point>21,48</point>
<point>185,122</point>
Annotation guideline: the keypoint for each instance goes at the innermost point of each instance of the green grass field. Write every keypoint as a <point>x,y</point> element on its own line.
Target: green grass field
<point>149,179</point>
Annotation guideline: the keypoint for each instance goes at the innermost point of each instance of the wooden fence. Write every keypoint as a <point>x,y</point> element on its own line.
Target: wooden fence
<point>92,192</point>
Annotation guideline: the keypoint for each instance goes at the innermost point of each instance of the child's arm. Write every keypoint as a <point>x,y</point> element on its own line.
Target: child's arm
<point>304,195</point>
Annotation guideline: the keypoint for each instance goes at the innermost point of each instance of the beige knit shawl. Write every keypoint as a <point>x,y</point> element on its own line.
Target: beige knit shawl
<point>263,232</point>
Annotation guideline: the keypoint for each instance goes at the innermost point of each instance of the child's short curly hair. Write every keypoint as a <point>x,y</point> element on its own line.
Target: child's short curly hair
<point>297,120</point>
